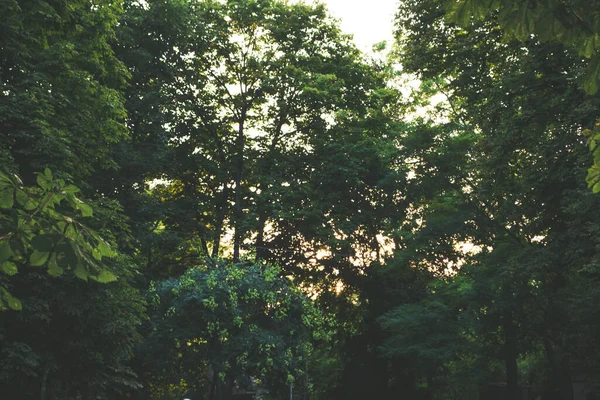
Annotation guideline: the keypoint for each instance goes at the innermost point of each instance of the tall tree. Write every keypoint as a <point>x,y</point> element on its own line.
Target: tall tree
<point>261,112</point>
<point>60,104</point>
<point>61,107</point>
<point>518,109</point>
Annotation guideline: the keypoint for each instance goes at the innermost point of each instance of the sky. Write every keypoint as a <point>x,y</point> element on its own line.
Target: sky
<point>370,21</point>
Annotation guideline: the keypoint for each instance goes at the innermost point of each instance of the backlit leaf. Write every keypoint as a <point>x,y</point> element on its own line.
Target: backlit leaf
<point>11,301</point>
<point>105,276</point>
<point>81,272</point>
<point>38,258</point>
<point>9,268</point>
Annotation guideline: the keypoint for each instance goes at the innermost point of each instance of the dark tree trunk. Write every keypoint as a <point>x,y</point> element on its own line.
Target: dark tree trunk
<point>237,236</point>
<point>260,238</point>
<point>511,354</point>
<point>204,247</point>
<point>44,383</point>
<point>561,374</point>
<point>220,217</point>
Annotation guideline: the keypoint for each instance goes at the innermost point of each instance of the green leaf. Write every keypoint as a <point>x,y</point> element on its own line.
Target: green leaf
<point>525,27</point>
<point>11,301</point>
<point>6,198</point>
<point>86,210</point>
<point>461,12</point>
<point>592,78</point>
<point>105,276</point>
<point>43,182</point>
<point>25,200</point>
<point>105,249</point>
<point>38,258</point>
<point>53,268</point>
<point>5,250</point>
<point>97,254</point>
<point>5,181</point>
<point>42,243</point>
<point>9,268</point>
<point>81,272</point>
<point>71,189</point>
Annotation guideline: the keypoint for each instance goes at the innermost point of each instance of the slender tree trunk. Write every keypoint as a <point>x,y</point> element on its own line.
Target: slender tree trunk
<point>221,206</point>
<point>237,236</point>
<point>44,383</point>
<point>511,354</point>
<point>260,237</point>
<point>204,246</point>
<point>213,382</point>
<point>220,218</point>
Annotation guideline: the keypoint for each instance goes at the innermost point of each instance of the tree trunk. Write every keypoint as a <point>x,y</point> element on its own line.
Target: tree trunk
<point>43,386</point>
<point>204,247</point>
<point>237,236</point>
<point>511,354</point>
<point>561,373</point>
<point>214,378</point>
<point>220,217</point>
<point>260,238</point>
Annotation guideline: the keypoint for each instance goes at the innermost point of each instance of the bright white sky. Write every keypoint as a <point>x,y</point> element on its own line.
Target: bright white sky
<point>370,21</point>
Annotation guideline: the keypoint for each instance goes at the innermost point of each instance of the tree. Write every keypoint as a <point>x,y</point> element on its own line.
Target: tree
<point>511,190</point>
<point>61,104</point>
<point>72,339</point>
<point>221,325</point>
<point>61,107</point>
<point>572,23</point>
<point>244,111</point>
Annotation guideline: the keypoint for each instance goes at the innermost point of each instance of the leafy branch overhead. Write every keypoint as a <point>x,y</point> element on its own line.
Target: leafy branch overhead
<point>573,23</point>
<point>40,228</point>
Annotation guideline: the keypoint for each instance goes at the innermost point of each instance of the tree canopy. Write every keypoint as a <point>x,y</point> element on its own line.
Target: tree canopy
<point>223,199</point>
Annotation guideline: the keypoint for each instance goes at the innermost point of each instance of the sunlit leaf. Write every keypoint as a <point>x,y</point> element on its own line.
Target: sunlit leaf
<point>105,276</point>
<point>81,272</point>
<point>11,301</point>
<point>9,268</point>
<point>38,258</point>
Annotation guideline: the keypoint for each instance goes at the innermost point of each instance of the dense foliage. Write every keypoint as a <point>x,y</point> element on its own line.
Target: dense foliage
<point>214,199</point>
<point>223,327</point>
